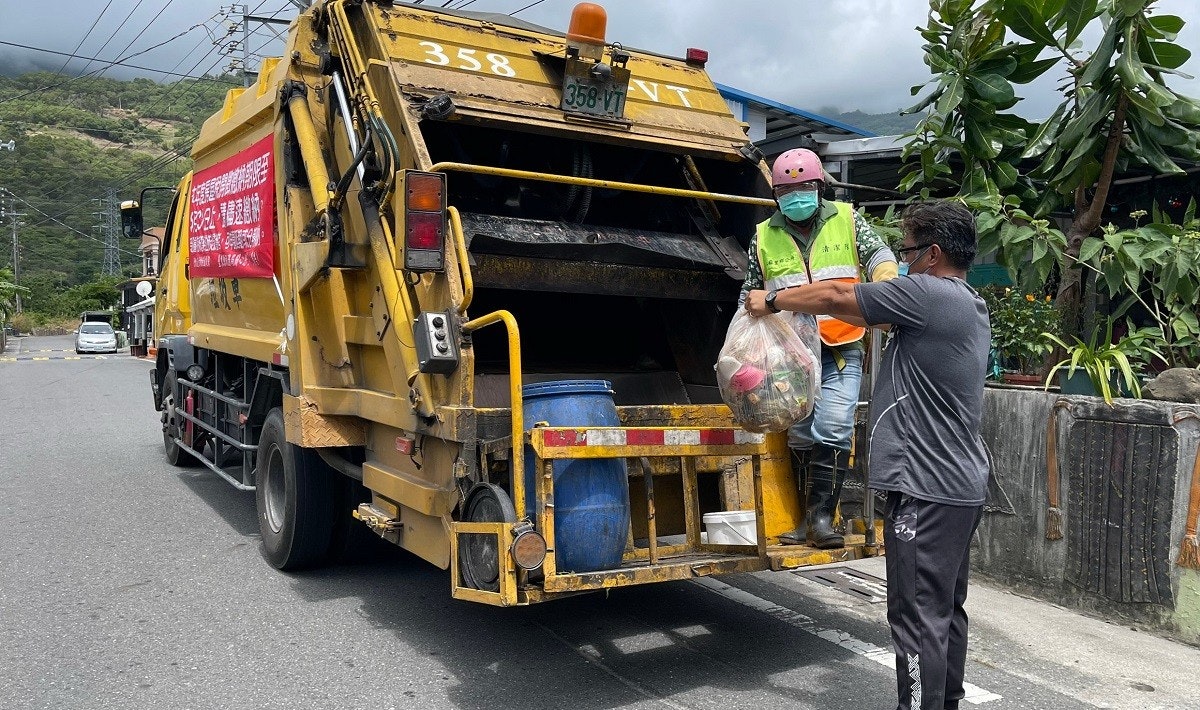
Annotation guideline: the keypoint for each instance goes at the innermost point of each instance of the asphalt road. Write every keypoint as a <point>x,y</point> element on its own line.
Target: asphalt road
<point>127,583</point>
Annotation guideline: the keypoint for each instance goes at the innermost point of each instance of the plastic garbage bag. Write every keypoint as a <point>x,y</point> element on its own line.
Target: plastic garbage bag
<point>766,374</point>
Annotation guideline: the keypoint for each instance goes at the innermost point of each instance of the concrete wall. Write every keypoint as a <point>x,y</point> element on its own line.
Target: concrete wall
<point>1125,474</point>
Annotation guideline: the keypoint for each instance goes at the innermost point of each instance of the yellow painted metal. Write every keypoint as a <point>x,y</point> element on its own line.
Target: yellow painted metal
<point>372,405</point>
<point>310,149</point>
<point>669,570</point>
<point>514,393</point>
<point>173,303</point>
<point>245,341</point>
<point>537,439</point>
<point>795,556</point>
<point>505,74</point>
<point>544,499</point>
<point>409,491</point>
<point>401,353</point>
<point>606,184</point>
<point>464,262</point>
<point>691,502</point>
<point>507,595</point>
<point>305,425</point>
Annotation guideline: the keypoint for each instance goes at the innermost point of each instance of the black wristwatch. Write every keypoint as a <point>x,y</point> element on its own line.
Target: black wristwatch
<point>771,301</point>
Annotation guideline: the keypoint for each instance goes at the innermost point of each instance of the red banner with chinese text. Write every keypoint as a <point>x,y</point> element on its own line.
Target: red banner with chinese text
<point>232,224</point>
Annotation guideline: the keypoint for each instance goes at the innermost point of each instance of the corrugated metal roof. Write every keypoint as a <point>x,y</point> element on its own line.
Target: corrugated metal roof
<point>787,124</point>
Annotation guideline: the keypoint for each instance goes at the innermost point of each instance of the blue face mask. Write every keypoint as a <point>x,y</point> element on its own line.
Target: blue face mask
<point>798,206</point>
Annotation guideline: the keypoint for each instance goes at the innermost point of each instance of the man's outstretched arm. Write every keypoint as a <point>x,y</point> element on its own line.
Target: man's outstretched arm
<point>829,298</point>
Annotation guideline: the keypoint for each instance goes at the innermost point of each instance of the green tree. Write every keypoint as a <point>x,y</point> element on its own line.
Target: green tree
<point>8,294</point>
<point>1117,113</point>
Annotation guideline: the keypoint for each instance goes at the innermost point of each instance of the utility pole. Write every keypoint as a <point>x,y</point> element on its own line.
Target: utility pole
<point>244,62</point>
<point>9,211</point>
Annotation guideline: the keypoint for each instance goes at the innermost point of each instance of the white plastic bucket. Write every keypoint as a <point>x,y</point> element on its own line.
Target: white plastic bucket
<point>731,527</point>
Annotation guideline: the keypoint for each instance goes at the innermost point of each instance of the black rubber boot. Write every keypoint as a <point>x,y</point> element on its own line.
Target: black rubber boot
<point>826,471</point>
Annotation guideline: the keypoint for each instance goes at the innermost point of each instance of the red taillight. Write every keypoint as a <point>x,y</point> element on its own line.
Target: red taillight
<point>424,230</point>
<point>424,221</point>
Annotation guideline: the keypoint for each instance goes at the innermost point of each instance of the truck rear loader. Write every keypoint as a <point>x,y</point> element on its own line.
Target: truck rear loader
<point>460,281</point>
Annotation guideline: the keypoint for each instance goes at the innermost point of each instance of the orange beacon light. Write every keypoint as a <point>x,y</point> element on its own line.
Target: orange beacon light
<point>586,33</point>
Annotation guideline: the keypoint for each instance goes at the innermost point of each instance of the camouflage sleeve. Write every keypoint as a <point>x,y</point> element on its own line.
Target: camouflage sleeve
<point>872,250</point>
<point>754,279</point>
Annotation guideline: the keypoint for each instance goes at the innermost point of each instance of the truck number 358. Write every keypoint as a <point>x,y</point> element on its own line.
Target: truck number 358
<point>497,63</point>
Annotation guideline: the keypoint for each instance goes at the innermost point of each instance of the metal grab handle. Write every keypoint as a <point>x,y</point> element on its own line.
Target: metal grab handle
<point>605,184</point>
<point>464,267</point>
<point>514,393</point>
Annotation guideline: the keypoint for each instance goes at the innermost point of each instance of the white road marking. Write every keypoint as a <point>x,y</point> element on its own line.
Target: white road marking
<point>883,656</point>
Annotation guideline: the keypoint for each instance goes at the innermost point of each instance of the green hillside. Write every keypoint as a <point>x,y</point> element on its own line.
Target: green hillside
<point>77,140</point>
<point>881,124</point>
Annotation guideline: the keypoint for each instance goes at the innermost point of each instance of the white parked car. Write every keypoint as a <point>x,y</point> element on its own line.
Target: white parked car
<point>95,338</point>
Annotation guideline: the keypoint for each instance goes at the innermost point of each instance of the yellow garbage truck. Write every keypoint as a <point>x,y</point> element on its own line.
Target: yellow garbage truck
<point>460,281</point>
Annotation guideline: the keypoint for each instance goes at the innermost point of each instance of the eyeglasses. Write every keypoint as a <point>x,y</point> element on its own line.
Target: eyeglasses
<point>904,250</point>
<point>811,186</point>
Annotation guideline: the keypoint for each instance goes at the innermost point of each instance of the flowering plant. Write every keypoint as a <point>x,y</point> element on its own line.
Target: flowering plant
<point>1018,322</point>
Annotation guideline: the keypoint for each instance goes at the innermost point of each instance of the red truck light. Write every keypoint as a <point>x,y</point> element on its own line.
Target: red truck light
<point>424,221</point>
<point>424,231</point>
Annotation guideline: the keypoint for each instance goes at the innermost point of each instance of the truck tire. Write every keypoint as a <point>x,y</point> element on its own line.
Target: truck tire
<point>170,423</point>
<point>478,556</point>
<point>294,490</point>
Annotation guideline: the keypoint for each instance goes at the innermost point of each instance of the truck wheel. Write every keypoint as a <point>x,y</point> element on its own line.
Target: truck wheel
<point>171,426</point>
<point>294,490</point>
<point>478,554</point>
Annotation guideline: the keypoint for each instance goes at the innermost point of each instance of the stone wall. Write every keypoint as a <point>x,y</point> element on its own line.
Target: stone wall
<point>1124,479</point>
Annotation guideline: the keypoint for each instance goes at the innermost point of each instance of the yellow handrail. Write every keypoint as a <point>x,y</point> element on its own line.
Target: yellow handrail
<point>514,387</point>
<point>605,184</point>
<point>464,267</point>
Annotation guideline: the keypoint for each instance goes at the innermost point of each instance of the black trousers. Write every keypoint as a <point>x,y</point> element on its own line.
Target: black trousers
<point>928,561</point>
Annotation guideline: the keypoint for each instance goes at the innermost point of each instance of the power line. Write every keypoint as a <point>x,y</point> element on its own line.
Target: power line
<point>532,4</point>
<point>139,34</point>
<point>81,76</point>
<point>113,36</point>
<point>35,208</point>
<point>84,39</point>
<point>120,62</point>
<point>169,157</point>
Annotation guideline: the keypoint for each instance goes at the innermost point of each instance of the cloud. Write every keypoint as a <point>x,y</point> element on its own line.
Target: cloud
<point>812,54</point>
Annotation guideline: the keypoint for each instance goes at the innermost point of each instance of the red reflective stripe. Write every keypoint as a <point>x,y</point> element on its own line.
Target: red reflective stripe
<point>716,436</point>
<point>651,437</point>
<point>568,437</point>
<point>635,437</point>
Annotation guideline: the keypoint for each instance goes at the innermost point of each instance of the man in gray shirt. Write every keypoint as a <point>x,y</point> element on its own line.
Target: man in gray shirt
<point>925,448</point>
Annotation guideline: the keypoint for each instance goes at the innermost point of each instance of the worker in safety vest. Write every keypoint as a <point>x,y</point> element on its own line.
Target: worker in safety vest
<point>813,239</point>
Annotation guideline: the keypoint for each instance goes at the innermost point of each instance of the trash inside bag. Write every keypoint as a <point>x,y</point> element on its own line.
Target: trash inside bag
<point>766,374</point>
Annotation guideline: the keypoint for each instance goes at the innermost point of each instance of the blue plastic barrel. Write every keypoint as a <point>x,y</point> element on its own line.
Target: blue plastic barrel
<point>591,496</point>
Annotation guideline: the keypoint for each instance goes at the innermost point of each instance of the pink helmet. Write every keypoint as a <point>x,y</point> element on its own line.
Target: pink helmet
<point>796,165</point>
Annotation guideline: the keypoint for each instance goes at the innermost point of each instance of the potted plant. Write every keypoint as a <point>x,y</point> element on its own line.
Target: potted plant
<point>1018,322</point>
<point>1104,367</point>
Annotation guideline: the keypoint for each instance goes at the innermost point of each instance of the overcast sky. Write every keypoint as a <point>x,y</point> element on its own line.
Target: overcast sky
<point>812,54</point>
